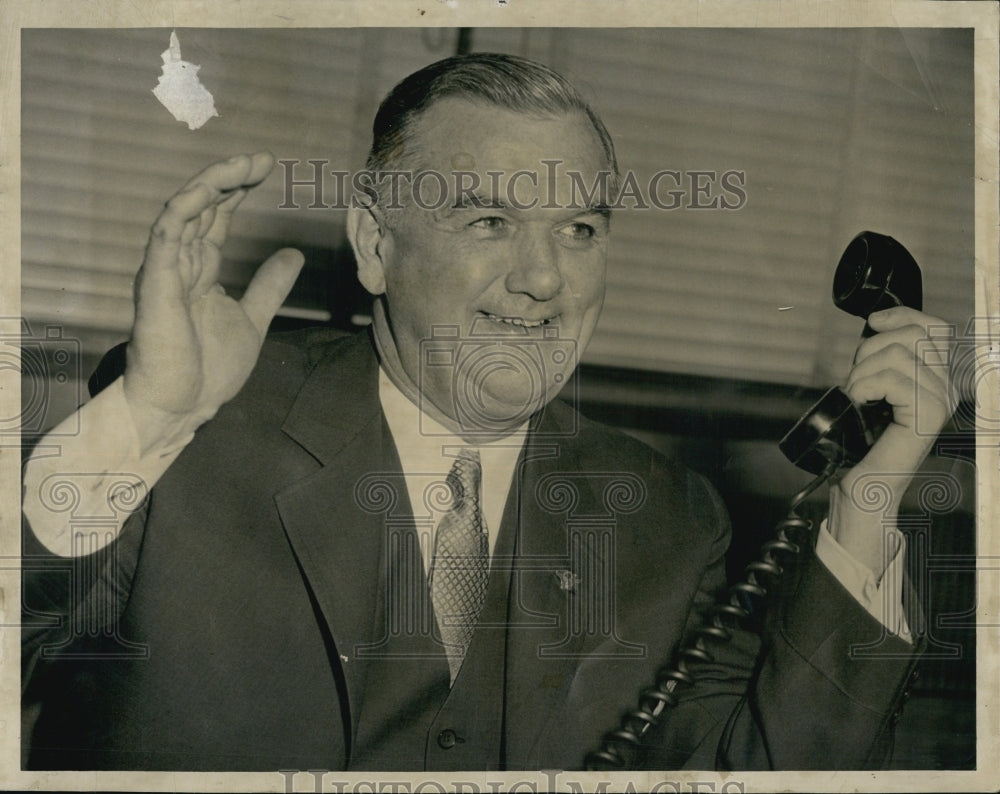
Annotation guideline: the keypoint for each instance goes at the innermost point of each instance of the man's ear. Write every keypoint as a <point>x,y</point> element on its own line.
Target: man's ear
<point>366,230</point>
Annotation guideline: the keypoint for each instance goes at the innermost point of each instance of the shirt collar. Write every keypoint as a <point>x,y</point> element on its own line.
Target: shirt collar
<point>423,445</point>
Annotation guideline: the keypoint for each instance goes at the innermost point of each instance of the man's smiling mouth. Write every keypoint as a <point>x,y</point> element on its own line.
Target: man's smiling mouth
<point>520,321</point>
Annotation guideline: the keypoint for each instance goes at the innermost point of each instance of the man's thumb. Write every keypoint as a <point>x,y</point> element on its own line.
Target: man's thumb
<point>270,286</point>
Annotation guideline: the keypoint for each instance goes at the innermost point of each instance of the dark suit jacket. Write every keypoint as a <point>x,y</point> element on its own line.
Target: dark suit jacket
<point>220,631</point>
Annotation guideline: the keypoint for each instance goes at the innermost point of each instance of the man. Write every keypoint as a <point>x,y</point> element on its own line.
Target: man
<point>397,550</point>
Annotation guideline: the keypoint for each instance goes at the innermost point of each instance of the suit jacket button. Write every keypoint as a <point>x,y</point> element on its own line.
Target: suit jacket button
<point>447,739</point>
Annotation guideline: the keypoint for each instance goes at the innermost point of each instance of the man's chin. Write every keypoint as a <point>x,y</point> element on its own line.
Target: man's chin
<point>502,409</point>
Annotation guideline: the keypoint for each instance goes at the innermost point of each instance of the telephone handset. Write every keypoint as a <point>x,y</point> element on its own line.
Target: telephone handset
<point>874,273</point>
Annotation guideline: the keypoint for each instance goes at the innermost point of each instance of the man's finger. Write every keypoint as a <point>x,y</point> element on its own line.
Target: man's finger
<point>215,220</point>
<point>888,384</point>
<point>261,164</point>
<point>270,286</point>
<point>905,335</point>
<point>190,230</point>
<point>206,219</point>
<point>219,227</point>
<point>898,356</point>
<point>899,316</point>
<point>209,261</point>
<point>165,238</point>
<point>241,170</point>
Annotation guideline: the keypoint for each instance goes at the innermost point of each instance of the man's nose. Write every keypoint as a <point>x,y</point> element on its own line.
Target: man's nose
<point>536,270</point>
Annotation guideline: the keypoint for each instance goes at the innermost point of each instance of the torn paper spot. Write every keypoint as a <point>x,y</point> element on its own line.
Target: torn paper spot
<point>180,91</point>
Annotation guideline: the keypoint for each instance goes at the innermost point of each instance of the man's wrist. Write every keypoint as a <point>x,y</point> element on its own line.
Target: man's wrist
<point>861,533</point>
<point>160,432</point>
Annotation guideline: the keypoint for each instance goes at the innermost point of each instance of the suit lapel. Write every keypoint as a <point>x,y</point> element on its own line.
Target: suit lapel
<point>336,534</point>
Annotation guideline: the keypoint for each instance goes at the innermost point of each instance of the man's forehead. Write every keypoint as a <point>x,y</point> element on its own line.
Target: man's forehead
<point>459,134</point>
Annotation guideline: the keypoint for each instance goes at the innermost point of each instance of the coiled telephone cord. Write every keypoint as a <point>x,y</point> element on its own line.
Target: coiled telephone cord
<point>618,747</point>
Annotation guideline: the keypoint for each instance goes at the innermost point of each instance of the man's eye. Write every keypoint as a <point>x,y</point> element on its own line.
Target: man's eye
<point>578,231</point>
<point>489,224</point>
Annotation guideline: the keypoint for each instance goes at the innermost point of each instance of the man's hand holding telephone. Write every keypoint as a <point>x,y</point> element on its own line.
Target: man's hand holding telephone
<point>868,428</point>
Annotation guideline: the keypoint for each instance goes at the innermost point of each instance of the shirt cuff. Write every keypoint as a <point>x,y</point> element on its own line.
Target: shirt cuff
<point>882,599</point>
<point>88,472</point>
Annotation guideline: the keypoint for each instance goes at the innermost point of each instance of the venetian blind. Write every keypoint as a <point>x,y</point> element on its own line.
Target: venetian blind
<point>835,131</point>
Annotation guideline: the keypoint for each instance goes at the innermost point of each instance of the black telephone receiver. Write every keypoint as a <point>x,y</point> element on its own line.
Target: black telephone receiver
<point>874,273</point>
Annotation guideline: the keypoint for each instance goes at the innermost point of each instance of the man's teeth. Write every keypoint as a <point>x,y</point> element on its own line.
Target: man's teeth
<point>518,321</point>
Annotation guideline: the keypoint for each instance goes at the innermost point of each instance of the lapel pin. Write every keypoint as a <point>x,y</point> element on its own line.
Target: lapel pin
<point>567,581</point>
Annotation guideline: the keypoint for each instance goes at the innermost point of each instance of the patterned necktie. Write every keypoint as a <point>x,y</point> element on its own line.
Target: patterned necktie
<point>461,560</point>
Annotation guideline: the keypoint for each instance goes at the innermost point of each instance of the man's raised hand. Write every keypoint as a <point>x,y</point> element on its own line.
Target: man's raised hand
<point>192,346</point>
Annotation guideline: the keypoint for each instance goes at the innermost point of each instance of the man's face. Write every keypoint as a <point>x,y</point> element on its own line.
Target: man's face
<point>491,294</point>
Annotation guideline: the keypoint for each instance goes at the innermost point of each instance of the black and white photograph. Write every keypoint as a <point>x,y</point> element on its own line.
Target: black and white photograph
<point>428,398</point>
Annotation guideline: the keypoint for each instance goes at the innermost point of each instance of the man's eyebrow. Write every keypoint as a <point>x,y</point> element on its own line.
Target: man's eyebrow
<point>598,208</point>
<point>469,199</point>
